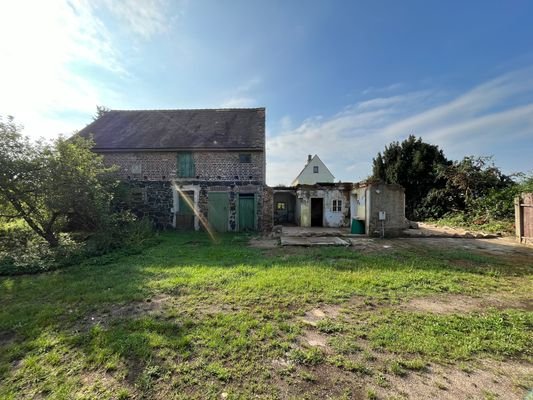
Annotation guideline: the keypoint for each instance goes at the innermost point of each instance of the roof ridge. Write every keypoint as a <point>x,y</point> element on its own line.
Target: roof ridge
<point>193,109</point>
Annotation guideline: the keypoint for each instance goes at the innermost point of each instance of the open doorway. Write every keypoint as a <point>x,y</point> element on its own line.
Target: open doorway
<point>185,214</point>
<point>317,211</point>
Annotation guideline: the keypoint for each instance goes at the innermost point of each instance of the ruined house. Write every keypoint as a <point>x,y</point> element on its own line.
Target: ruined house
<point>374,209</point>
<point>190,168</point>
<point>377,209</point>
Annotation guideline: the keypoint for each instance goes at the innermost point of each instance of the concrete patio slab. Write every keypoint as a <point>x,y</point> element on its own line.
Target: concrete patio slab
<point>299,231</point>
<point>313,241</point>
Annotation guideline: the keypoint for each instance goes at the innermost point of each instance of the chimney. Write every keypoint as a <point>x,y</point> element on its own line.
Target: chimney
<point>309,158</point>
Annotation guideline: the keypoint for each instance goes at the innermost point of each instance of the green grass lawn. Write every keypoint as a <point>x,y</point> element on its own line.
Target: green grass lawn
<point>189,318</point>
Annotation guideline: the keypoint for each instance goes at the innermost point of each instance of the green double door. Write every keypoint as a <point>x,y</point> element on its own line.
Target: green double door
<point>218,211</point>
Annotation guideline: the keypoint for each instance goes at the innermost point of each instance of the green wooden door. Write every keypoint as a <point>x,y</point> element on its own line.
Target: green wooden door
<point>246,213</point>
<point>217,211</point>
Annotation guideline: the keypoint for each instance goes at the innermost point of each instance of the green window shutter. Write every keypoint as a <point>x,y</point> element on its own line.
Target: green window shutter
<point>185,165</point>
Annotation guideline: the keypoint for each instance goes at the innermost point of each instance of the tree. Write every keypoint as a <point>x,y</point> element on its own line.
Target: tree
<point>478,188</point>
<point>100,111</point>
<point>49,183</point>
<point>414,165</point>
<point>474,177</point>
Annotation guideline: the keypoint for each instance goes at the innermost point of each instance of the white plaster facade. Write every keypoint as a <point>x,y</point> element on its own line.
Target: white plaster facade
<point>335,205</point>
<point>315,171</point>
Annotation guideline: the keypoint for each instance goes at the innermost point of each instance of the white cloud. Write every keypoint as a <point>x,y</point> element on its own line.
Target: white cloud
<point>240,101</point>
<point>45,45</point>
<point>242,95</point>
<point>494,114</point>
<point>145,18</point>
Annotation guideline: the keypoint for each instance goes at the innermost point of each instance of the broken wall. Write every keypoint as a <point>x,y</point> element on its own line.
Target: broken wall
<point>389,198</point>
<point>331,218</point>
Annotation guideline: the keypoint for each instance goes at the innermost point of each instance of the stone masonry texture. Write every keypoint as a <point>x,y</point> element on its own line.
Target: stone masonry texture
<point>209,166</point>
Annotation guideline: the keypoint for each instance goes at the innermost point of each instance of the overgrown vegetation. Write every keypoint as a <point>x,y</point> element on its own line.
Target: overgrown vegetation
<point>56,204</point>
<point>192,319</point>
<point>471,193</point>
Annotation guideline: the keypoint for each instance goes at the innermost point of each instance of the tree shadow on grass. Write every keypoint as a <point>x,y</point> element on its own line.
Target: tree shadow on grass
<point>225,272</point>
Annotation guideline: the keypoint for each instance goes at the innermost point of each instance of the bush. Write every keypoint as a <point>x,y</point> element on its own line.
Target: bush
<point>24,252</point>
<point>123,230</point>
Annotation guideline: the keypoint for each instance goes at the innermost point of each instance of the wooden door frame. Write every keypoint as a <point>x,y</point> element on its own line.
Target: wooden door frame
<point>237,214</point>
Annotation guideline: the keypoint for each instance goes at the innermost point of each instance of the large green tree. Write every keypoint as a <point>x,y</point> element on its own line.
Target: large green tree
<point>474,186</point>
<point>415,165</point>
<point>49,183</point>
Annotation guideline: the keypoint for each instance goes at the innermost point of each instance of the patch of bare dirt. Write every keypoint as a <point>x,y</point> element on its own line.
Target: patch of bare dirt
<point>312,317</point>
<point>7,337</point>
<point>264,243</point>
<point>159,306</point>
<point>501,246</point>
<point>318,382</point>
<point>315,339</point>
<point>482,379</point>
<point>450,304</point>
<point>369,245</point>
<point>501,380</point>
<point>152,306</point>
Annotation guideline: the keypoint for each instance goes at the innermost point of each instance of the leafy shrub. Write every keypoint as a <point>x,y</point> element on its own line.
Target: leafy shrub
<point>24,252</point>
<point>123,230</point>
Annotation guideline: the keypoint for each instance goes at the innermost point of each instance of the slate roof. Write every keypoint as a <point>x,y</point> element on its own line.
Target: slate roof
<point>242,128</point>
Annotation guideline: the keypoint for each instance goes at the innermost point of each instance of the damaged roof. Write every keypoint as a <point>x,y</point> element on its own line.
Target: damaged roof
<point>236,128</point>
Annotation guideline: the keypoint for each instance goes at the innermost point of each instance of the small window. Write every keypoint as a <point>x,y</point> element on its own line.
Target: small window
<point>245,158</point>
<point>315,169</point>
<point>337,205</point>
<point>280,205</point>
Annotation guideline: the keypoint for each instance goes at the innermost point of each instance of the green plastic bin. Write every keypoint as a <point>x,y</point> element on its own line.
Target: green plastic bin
<point>358,226</point>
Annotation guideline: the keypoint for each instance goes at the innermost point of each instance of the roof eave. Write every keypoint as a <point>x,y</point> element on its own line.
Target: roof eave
<point>130,149</point>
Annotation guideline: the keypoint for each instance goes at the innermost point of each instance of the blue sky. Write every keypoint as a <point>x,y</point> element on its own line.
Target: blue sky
<point>338,79</point>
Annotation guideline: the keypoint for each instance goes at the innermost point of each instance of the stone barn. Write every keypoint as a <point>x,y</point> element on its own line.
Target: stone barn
<point>190,169</point>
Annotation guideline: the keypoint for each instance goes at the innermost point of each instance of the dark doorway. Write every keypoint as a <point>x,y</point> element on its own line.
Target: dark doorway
<point>284,207</point>
<point>185,214</point>
<point>317,212</point>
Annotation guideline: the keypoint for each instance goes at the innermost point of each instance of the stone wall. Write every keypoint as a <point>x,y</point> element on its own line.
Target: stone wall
<point>150,175</point>
<point>226,166</point>
<point>267,207</point>
<point>233,189</point>
<point>151,166</point>
<point>209,166</point>
<point>153,200</point>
